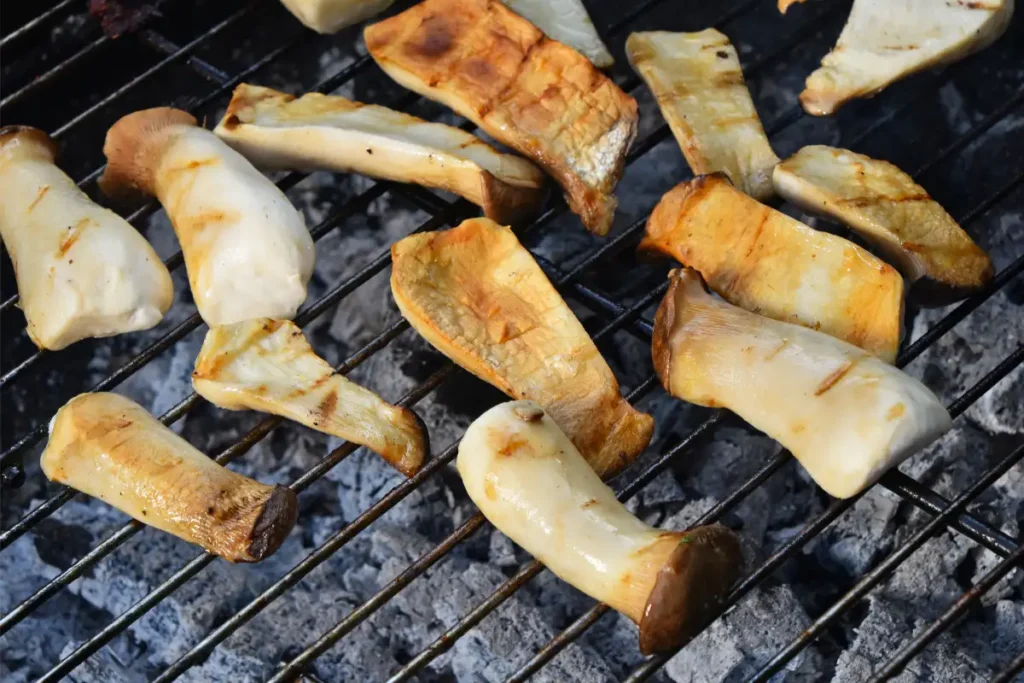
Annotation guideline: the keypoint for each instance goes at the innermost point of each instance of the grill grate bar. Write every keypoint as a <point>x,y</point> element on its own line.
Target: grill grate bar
<point>35,24</point>
<point>1009,674</point>
<point>169,48</point>
<point>876,575</point>
<point>42,80</point>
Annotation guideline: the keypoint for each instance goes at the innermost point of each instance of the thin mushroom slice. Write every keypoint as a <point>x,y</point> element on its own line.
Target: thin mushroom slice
<point>784,5</point>
<point>247,250</point>
<point>764,261</point>
<point>536,95</point>
<point>478,296</point>
<point>567,22</point>
<point>846,416</point>
<point>884,205</point>
<point>313,132</point>
<point>884,41</point>
<point>111,448</point>
<point>82,270</point>
<point>330,16</point>
<point>267,365</point>
<point>698,83</point>
<point>529,480</point>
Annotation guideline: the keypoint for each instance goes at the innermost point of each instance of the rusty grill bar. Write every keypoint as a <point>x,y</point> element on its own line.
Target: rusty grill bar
<point>945,513</point>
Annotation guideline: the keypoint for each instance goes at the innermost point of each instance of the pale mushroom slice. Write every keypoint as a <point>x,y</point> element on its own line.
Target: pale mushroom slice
<point>247,250</point>
<point>764,261</point>
<point>330,16</point>
<point>529,480</point>
<point>567,22</point>
<point>884,205</point>
<point>269,366</point>
<point>478,296</point>
<point>534,94</point>
<point>698,83</point>
<point>884,41</point>
<point>82,270</point>
<point>843,413</point>
<point>111,448</point>
<point>278,131</point>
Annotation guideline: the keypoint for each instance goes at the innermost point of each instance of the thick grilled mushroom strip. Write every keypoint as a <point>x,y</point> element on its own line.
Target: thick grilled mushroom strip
<point>884,205</point>
<point>567,22</point>
<point>529,480</point>
<point>82,270</point>
<point>268,365</point>
<point>534,94</point>
<point>329,16</point>
<point>113,449</point>
<point>845,415</point>
<point>764,261</point>
<point>479,297</point>
<point>314,132</point>
<point>697,81</point>
<point>247,250</point>
<point>884,41</point>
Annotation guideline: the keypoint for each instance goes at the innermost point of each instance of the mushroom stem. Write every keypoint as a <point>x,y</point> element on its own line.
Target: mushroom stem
<point>529,480</point>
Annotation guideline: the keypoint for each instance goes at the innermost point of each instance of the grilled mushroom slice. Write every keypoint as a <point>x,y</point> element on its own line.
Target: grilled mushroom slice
<point>268,365</point>
<point>479,297</point>
<point>278,131</point>
<point>844,414</point>
<point>885,41</point>
<point>113,449</point>
<point>330,16</point>
<point>697,81</point>
<point>529,480</point>
<point>567,22</point>
<point>766,262</point>
<point>534,94</point>
<point>82,270</point>
<point>784,5</point>
<point>247,250</point>
<point>884,205</point>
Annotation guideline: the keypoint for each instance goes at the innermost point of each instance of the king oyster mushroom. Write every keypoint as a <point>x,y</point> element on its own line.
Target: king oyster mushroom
<point>313,132</point>
<point>529,480</point>
<point>567,22</point>
<point>330,16</point>
<point>111,448</point>
<point>247,250</point>
<point>846,416</point>
<point>82,270</point>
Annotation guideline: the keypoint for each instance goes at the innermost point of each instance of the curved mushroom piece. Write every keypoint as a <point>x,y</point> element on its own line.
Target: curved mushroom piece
<point>479,297</point>
<point>268,365</point>
<point>784,5</point>
<point>111,448</point>
<point>883,204</point>
<point>82,270</point>
<point>529,480</point>
<point>764,261</point>
<point>247,250</point>
<point>884,41</point>
<point>697,81</point>
<point>567,22</point>
<point>330,16</point>
<point>845,415</point>
<point>313,132</point>
<point>534,94</point>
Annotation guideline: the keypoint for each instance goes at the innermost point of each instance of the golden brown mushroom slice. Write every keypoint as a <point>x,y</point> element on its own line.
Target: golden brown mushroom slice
<point>784,5</point>
<point>111,448</point>
<point>764,261</point>
<point>884,41</point>
<point>479,297</point>
<point>698,83</point>
<point>278,131</point>
<point>534,94</point>
<point>843,413</point>
<point>883,204</point>
<point>82,270</point>
<point>268,365</point>
<point>529,480</point>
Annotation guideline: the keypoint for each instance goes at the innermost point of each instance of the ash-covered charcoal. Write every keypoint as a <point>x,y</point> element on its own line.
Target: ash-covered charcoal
<point>118,17</point>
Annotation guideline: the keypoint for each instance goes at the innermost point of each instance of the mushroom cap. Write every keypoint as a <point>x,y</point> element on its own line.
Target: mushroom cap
<point>690,587</point>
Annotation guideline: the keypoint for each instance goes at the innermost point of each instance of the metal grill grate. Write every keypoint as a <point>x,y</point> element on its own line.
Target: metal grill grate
<point>207,83</point>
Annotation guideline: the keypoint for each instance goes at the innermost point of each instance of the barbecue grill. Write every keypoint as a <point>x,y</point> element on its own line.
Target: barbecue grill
<point>950,128</point>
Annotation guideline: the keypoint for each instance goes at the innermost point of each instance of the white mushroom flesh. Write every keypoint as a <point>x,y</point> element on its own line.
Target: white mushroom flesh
<point>567,22</point>
<point>329,16</point>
